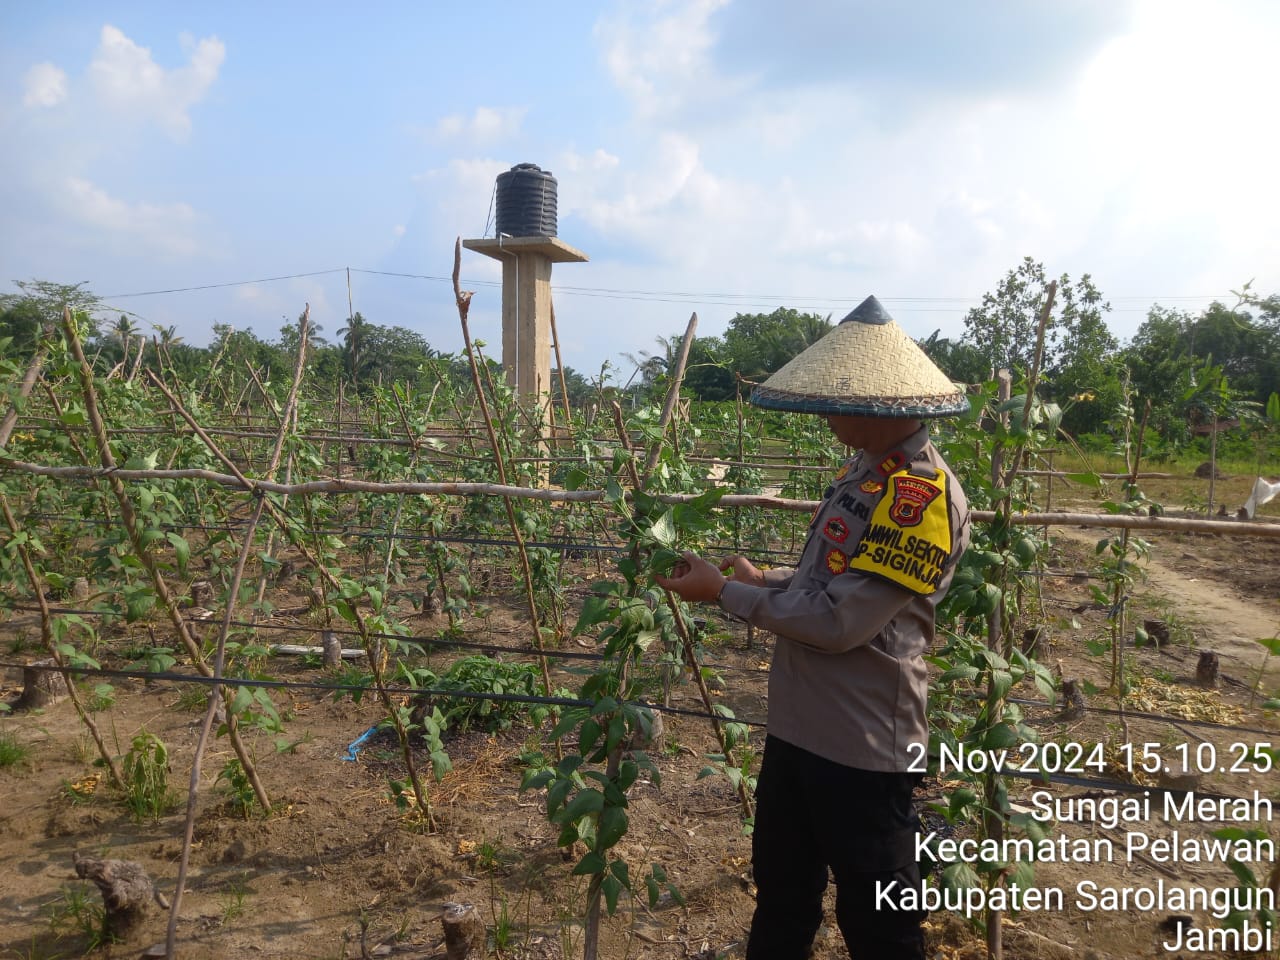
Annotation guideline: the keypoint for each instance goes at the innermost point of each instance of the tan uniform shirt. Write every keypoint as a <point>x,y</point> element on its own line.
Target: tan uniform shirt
<point>848,681</point>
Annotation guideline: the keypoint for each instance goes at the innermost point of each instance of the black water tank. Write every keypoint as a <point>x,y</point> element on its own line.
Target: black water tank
<point>526,202</point>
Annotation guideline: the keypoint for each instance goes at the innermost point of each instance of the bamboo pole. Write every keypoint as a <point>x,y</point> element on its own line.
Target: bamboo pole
<point>143,552</point>
<point>1234,528</point>
<point>24,390</point>
<point>220,651</point>
<point>206,729</point>
<point>673,395</point>
<point>564,390</point>
<point>368,641</point>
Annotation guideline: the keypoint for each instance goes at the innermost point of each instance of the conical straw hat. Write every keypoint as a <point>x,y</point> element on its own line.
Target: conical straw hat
<point>868,367</point>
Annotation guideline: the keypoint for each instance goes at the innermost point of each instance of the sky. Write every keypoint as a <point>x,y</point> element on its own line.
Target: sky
<point>711,156</point>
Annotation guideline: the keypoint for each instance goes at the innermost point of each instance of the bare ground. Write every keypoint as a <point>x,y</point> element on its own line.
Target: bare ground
<point>338,872</point>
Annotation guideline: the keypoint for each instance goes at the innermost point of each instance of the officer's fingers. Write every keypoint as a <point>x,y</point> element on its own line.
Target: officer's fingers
<point>738,567</point>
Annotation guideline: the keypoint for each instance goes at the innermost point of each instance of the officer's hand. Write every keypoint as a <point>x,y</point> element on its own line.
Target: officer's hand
<point>743,570</point>
<point>693,579</point>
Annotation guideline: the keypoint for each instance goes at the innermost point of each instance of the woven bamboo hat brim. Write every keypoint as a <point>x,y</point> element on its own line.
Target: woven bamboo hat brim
<point>868,367</point>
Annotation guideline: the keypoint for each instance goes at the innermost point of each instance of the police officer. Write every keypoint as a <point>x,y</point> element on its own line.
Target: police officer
<point>848,684</point>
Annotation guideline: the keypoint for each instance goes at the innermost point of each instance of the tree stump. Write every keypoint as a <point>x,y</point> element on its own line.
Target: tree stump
<point>1072,700</point>
<point>1157,632</point>
<point>40,687</point>
<point>1207,669</point>
<point>201,593</point>
<point>127,891</point>
<point>654,737</point>
<point>1034,640</point>
<point>464,932</point>
<point>80,589</point>
<point>332,647</point>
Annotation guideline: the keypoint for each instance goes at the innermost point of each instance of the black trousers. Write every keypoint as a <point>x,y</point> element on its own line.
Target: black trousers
<point>813,814</point>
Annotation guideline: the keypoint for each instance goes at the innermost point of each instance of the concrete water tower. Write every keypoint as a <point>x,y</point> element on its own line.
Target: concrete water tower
<point>526,243</point>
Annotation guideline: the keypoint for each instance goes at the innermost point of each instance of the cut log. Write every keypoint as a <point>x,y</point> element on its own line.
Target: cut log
<point>127,892</point>
<point>653,738</point>
<point>464,932</point>
<point>1207,669</point>
<point>40,686</point>
<point>333,652</point>
<point>1157,632</point>
<point>1034,640</point>
<point>1072,700</point>
<point>201,593</point>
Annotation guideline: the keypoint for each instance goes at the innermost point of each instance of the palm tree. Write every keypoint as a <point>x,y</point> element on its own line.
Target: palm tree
<point>167,337</point>
<point>124,330</point>
<point>354,335</point>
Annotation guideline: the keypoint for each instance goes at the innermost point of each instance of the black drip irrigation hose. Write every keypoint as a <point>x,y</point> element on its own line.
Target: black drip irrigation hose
<point>596,657</point>
<point>172,677</point>
<point>1064,779</point>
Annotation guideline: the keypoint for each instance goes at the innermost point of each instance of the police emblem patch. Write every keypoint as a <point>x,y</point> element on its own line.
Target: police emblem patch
<point>842,473</point>
<point>910,497</point>
<point>837,562</point>
<point>836,529</point>
<point>871,486</point>
<point>908,540</point>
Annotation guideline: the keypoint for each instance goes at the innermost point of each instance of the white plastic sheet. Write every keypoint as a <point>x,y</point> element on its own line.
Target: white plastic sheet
<point>1263,492</point>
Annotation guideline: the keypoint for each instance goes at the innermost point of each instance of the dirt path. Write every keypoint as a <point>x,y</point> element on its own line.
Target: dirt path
<point>1225,611</point>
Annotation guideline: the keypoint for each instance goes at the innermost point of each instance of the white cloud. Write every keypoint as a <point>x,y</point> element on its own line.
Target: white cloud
<point>659,53</point>
<point>272,305</point>
<point>45,85</point>
<point>126,79</point>
<point>166,229</point>
<point>486,125</point>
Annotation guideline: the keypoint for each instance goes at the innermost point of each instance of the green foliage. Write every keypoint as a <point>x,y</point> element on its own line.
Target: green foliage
<point>761,343</point>
<point>979,665</point>
<point>586,790</point>
<point>146,778</point>
<point>79,912</point>
<point>963,362</point>
<point>38,307</point>
<point>1079,350</point>
<point>13,752</point>
<point>1250,883</point>
<point>486,677</point>
<point>237,788</point>
<point>754,346</point>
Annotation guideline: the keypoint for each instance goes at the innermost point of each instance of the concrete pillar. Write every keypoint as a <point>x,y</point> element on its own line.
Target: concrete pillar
<point>526,309</point>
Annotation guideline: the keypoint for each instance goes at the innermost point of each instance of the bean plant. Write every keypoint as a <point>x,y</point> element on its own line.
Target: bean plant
<point>978,663</point>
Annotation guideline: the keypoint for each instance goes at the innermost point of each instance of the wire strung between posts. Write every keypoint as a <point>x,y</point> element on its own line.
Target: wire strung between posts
<point>402,638</point>
<point>359,532</point>
<point>1064,779</point>
<point>456,488</point>
<point>172,677</point>
<point>377,533</point>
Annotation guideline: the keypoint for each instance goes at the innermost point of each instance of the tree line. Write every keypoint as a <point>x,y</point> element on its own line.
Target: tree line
<point>1221,364</point>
